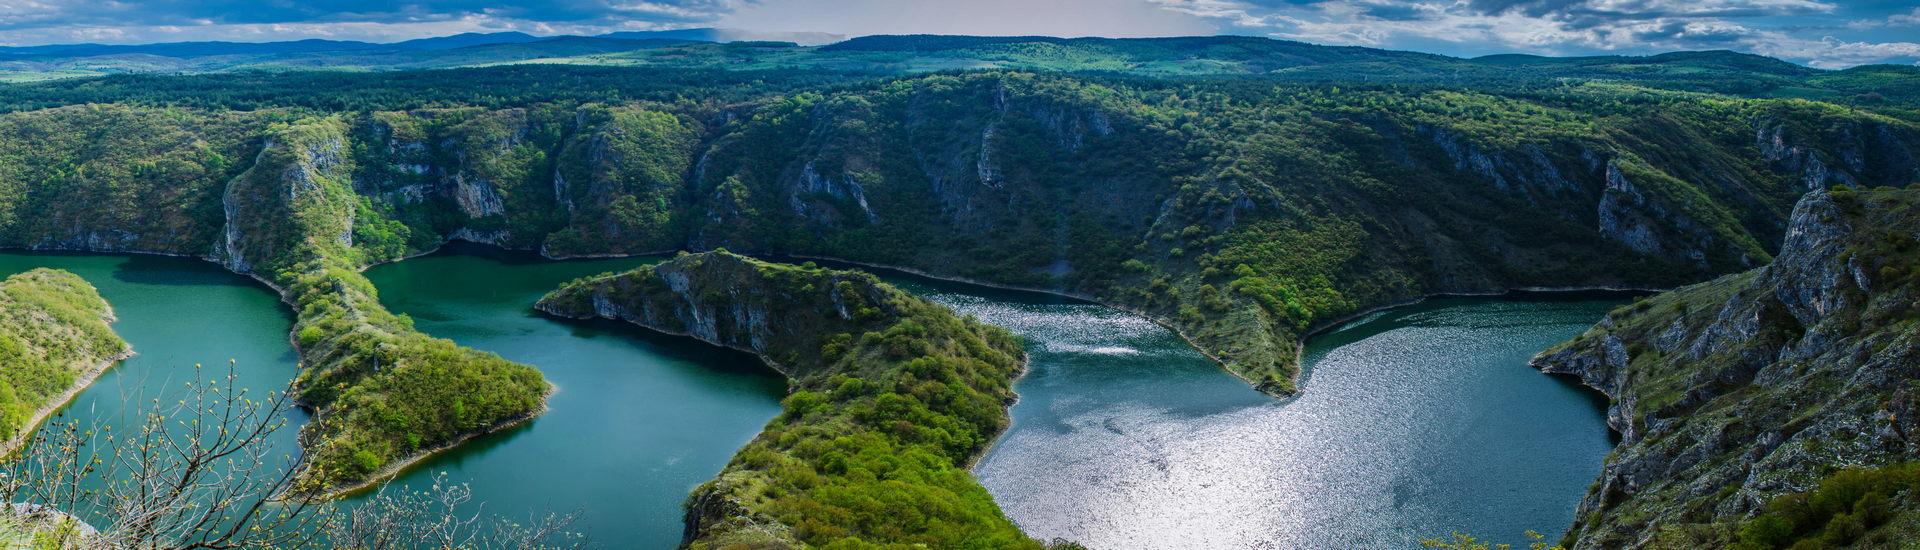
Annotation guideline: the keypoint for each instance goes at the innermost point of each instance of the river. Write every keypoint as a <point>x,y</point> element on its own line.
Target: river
<point>1416,422</point>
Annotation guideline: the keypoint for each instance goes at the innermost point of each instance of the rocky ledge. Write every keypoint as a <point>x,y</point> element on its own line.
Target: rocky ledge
<point>1731,393</point>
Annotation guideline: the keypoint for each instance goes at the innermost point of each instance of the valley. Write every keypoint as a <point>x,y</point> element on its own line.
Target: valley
<point>1213,225</point>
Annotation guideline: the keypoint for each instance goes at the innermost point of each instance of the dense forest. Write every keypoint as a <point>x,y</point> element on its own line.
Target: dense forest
<point>893,397</point>
<point>1246,205</point>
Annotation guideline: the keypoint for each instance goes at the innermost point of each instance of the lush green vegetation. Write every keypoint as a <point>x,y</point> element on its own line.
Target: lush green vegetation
<point>383,392</point>
<point>1843,510</point>
<point>53,337</point>
<point>1243,191</point>
<point>1236,210</point>
<point>893,397</point>
<point>1185,57</point>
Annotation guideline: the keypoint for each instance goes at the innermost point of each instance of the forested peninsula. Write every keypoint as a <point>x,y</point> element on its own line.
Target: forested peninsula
<point>892,398</point>
<point>54,340</point>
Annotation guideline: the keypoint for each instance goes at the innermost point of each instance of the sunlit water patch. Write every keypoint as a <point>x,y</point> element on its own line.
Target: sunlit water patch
<point>1415,423</point>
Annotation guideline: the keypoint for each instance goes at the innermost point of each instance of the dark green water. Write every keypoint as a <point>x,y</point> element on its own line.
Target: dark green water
<point>177,312</point>
<point>638,421</point>
<point>1415,423</point>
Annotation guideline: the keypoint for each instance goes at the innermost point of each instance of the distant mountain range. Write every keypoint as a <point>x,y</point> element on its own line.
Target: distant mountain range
<point>1724,72</point>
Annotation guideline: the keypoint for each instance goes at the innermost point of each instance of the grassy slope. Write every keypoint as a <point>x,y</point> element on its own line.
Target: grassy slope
<point>893,398</point>
<point>54,339</point>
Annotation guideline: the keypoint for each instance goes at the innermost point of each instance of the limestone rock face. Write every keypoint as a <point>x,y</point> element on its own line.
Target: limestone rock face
<point>833,333</point>
<point>1732,392</point>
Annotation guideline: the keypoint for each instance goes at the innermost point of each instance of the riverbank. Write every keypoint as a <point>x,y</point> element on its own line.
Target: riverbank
<point>80,383</point>
<point>883,381</point>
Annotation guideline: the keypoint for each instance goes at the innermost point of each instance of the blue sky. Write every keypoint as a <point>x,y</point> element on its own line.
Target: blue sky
<point>1824,33</point>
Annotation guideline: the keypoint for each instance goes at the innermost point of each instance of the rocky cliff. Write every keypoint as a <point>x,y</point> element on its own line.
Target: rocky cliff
<point>54,340</point>
<point>1242,216</point>
<point>892,398</point>
<point>1730,393</point>
<point>383,394</point>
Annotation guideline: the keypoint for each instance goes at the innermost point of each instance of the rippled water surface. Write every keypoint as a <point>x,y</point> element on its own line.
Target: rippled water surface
<point>1415,423</point>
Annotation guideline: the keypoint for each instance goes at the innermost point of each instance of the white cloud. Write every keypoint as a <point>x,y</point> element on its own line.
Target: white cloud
<point>1909,19</point>
<point>1830,52</point>
<point>1118,18</point>
<point>1552,27</point>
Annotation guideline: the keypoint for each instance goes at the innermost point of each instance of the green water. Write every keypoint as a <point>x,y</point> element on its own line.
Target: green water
<point>177,312</point>
<point>638,421</point>
<point>1416,423</point>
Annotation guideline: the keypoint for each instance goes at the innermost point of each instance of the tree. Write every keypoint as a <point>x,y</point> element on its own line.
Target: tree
<point>200,474</point>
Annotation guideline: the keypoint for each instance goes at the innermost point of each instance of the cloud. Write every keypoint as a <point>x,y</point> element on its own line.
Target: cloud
<point>1119,18</point>
<point>1908,19</point>
<point>1826,33</point>
<point>1560,27</point>
<point>127,21</point>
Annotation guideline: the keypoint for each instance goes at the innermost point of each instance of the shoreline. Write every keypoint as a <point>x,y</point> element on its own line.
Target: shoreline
<point>40,416</point>
<point>1025,367</point>
<point>1191,344</point>
<point>1300,377</point>
<point>81,382</point>
<point>379,478</point>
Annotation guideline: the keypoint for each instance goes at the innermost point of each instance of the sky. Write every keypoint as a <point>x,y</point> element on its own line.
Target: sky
<point>1821,33</point>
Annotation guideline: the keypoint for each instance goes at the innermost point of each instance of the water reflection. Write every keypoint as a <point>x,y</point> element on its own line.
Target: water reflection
<point>1415,423</point>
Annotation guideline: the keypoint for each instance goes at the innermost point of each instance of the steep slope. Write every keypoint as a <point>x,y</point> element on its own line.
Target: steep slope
<point>893,396</point>
<point>1243,215</point>
<point>1730,393</point>
<point>383,394</point>
<point>54,340</point>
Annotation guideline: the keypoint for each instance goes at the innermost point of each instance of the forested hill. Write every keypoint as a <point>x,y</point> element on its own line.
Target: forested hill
<point>1243,211</point>
<point>346,65</point>
<point>893,397</point>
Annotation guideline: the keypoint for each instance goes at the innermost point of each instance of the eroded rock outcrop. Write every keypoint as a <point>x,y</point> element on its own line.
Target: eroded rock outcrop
<point>1729,393</point>
<point>893,397</point>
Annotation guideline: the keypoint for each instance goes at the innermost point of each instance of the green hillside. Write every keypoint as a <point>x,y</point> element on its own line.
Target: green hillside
<point>54,340</point>
<point>893,398</point>
<point>1244,210</point>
